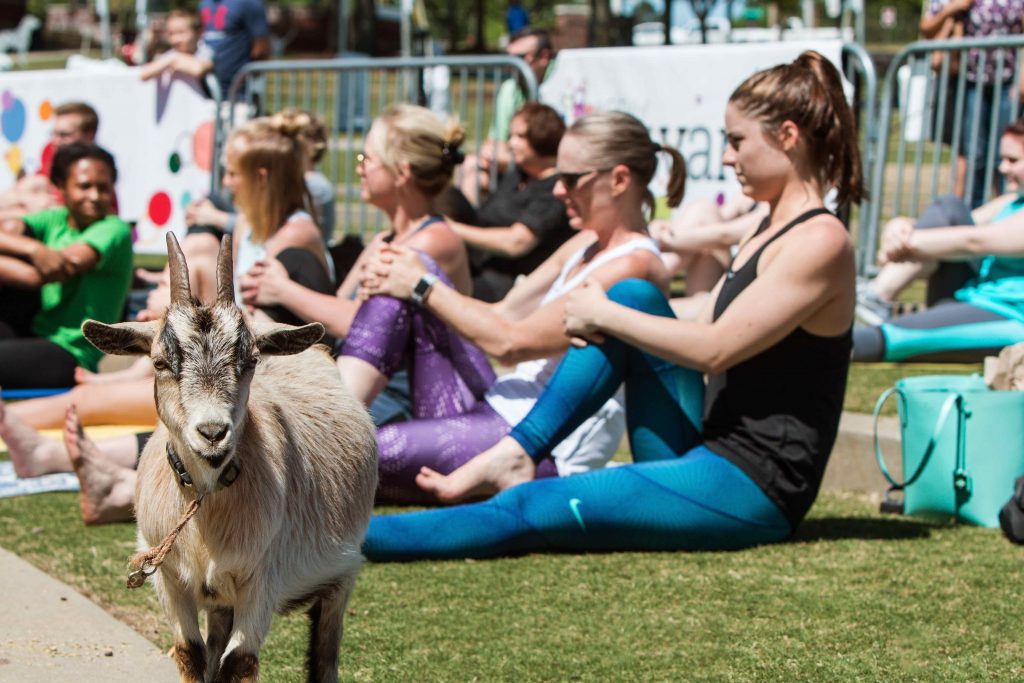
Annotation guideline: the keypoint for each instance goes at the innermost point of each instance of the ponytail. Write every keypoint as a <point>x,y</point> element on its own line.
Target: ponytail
<point>809,92</point>
<point>613,138</point>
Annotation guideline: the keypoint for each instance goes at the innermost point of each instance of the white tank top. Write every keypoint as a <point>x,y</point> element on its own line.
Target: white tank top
<point>513,395</point>
<point>249,252</point>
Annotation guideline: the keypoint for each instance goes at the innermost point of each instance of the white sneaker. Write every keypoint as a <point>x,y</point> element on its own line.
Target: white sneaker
<point>870,308</point>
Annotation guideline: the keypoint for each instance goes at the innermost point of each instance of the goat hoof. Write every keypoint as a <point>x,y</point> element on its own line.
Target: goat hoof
<point>191,659</point>
<point>239,667</point>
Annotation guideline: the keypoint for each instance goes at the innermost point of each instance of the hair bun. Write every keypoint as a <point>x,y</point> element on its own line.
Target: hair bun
<point>452,154</point>
<point>285,124</point>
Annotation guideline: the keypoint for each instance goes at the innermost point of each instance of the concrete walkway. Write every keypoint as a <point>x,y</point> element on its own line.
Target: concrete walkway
<point>48,632</point>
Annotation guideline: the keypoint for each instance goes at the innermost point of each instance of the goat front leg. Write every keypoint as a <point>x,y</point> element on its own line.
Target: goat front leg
<point>241,660</point>
<point>219,622</point>
<point>181,609</point>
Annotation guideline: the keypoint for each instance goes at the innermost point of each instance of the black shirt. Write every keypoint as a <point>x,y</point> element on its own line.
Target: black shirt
<point>776,415</point>
<point>518,199</point>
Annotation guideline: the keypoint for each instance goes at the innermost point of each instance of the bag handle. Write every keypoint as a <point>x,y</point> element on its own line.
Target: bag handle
<point>940,424</point>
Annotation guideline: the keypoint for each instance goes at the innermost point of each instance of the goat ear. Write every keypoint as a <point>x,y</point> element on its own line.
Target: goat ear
<point>285,341</point>
<point>122,339</point>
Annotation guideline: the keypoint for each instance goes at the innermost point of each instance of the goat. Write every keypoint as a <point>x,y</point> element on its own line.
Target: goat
<point>259,428</point>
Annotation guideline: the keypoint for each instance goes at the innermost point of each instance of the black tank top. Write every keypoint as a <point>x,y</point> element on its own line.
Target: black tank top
<point>776,415</point>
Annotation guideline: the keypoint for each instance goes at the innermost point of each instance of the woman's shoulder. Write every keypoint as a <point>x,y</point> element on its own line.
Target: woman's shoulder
<point>300,230</point>
<point>821,239</point>
<point>436,238</point>
<point>639,257</point>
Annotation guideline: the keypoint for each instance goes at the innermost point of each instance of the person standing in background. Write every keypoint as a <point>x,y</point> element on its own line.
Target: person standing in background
<point>237,32</point>
<point>980,18</point>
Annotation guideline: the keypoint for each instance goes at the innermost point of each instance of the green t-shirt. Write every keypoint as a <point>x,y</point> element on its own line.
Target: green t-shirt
<point>98,294</point>
<point>507,102</point>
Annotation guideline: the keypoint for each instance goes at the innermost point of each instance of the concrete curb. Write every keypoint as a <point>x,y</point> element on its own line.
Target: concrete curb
<point>48,632</point>
<point>852,466</point>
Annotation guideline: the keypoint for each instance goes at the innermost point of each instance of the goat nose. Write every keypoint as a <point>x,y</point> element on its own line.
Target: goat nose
<point>213,431</point>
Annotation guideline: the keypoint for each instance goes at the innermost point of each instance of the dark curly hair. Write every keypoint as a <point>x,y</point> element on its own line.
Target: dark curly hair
<point>67,156</point>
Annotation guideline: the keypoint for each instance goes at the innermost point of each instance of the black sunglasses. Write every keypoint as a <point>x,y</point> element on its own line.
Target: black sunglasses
<point>571,180</point>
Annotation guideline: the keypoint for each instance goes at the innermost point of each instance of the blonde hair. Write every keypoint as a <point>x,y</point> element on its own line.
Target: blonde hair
<point>615,137</point>
<point>809,92</point>
<point>195,22</point>
<point>270,146</point>
<point>427,143</point>
<point>312,131</point>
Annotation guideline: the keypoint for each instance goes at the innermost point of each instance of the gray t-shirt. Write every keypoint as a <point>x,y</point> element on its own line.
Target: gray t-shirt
<point>322,190</point>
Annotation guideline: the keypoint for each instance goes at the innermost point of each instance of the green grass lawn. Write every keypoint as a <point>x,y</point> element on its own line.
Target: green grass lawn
<point>855,596</point>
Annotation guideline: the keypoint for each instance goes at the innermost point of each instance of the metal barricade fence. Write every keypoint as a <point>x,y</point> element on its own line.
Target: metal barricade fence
<point>212,86</point>
<point>938,128</point>
<point>859,71</point>
<point>347,93</point>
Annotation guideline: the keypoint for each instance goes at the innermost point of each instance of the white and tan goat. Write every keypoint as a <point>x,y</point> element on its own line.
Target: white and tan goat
<point>259,426</point>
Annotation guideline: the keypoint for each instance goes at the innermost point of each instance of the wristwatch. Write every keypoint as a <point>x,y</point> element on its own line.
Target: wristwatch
<point>422,288</point>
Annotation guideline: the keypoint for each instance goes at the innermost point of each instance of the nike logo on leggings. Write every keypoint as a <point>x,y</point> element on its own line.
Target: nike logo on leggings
<point>574,505</point>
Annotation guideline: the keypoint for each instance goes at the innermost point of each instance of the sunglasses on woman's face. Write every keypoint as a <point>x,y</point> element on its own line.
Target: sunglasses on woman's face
<point>571,180</point>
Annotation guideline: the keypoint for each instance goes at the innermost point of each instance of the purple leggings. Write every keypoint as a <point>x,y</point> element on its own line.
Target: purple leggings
<point>448,377</point>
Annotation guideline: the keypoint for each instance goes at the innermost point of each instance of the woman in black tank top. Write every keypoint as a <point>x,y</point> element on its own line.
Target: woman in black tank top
<point>775,346</point>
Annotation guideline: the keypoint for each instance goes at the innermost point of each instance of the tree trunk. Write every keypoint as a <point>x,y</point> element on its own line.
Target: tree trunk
<point>602,13</point>
<point>366,26</point>
<point>667,20</point>
<point>480,26</point>
<point>453,27</point>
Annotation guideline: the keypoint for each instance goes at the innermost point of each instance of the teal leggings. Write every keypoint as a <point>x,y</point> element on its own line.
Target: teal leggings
<point>949,331</point>
<point>677,496</point>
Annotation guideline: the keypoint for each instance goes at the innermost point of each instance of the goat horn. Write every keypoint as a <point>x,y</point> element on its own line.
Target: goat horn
<point>180,291</point>
<point>225,273</point>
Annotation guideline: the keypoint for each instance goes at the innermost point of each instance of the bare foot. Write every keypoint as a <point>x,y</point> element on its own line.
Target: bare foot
<point>501,466</point>
<point>140,369</point>
<point>31,454</point>
<point>83,376</point>
<point>106,490</point>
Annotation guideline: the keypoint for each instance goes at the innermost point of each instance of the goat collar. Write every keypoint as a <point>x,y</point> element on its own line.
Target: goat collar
<point>226,479</point>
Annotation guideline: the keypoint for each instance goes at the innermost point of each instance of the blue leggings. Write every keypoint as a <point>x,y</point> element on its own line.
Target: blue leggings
<point>678,495</point>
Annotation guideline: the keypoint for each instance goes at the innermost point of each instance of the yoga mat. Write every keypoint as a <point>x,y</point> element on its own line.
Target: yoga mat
<point>12,485</point>
<point>96,433</point>
<point>18,394</point>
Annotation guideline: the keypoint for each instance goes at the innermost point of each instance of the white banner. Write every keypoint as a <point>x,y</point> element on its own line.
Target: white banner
<point>160,133</point>
<point>680,92</point>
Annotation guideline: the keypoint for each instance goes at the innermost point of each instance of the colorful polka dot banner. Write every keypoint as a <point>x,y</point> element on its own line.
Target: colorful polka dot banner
<point>160,133</point>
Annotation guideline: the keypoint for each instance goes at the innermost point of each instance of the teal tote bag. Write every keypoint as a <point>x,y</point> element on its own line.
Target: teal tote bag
<point>962,443</point>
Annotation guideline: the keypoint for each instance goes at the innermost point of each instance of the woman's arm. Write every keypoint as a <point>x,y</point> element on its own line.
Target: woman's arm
<point>268,284</point>
<point>791,289</point>
<point>52,265</point>
<point>932,24</point>
<point>697,238</point>
<point>538,335</point>
<point>901,242</point>
<point>510,241</point>
<point>526,295</point>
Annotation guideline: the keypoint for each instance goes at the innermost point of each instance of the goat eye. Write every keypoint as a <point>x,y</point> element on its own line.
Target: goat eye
<point>159,365</point>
